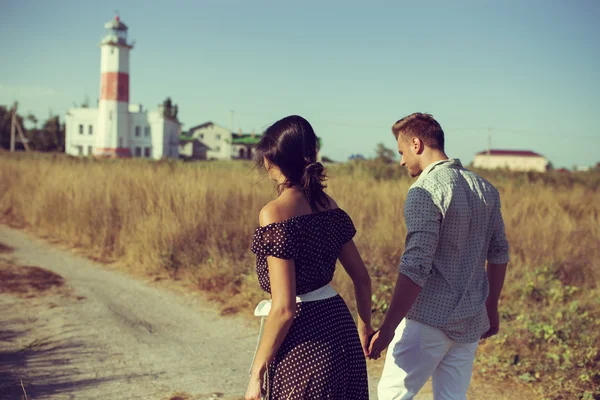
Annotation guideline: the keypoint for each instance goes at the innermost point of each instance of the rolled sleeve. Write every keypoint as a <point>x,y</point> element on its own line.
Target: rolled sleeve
<point>498,249</point>
<point>423,221</point>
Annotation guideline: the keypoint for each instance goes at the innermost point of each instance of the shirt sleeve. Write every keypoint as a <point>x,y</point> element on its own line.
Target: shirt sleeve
<point>347,230</point>
<point>498,249</point>
<point>276,240</point>
<point>423,221</point>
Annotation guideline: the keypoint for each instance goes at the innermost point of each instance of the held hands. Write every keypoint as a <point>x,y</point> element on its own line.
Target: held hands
<point>379,341</point>
<point>365,333</point>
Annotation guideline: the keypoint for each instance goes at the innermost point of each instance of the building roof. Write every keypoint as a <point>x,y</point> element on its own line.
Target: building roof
<point>239,138</point>
<point>204,125</point>
<point>519,153</point>
<point>254,138</point>
<point>245,138</point>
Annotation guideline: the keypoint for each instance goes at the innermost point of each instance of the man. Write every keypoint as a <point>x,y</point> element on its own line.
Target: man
<point>444,302</point>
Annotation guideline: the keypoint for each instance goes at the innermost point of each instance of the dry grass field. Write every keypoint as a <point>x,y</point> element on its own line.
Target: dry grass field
<point>196,220</point>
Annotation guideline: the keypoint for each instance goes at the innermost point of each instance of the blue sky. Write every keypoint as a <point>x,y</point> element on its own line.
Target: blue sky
<point>527,70</point>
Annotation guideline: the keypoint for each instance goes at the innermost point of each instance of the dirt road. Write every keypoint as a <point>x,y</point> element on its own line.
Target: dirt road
<point>82,331</point>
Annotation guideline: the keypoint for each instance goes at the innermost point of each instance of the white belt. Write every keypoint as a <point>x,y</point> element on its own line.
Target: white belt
<point>262,309</point>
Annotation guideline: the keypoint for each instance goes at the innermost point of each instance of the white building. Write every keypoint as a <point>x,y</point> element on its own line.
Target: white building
<point>514,160</point>
<point>117,128</point>
<point>209,141</point>
<point>217,140</point>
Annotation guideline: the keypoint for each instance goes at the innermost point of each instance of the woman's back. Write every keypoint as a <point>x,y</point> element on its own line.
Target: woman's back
<point>314,241</point>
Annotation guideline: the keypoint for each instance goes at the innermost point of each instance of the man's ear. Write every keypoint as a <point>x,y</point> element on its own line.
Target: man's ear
<point>417,145</point>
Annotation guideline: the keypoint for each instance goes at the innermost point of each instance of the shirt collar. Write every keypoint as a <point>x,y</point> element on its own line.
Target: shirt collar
<point>450,162</point>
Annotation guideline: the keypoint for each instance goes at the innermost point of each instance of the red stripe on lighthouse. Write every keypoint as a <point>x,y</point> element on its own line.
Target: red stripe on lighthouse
<point>115,86</point>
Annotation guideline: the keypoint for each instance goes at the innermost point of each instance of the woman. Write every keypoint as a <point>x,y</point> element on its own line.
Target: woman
<point>310,347</point>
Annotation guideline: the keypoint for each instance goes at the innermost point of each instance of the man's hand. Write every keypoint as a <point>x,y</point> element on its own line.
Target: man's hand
<point>496,274</point>
<point>365,333</point>
<point>494,317</point>
<point>380,340</point>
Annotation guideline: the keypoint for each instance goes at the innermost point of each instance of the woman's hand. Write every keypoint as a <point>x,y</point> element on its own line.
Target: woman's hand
<point>255,387</point>
<point>365,333</point>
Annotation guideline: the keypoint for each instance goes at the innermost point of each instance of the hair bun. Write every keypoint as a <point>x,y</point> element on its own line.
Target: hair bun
<point>315,168</point>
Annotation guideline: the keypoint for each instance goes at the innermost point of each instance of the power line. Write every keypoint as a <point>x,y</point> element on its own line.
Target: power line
<point>525,132</point>
<point>482,130</point>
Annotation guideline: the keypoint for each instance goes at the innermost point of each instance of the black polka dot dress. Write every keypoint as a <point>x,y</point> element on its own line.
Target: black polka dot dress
<point>321,356</point>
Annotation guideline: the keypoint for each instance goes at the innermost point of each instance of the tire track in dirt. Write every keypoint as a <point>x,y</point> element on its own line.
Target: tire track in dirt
<point>72,329</point>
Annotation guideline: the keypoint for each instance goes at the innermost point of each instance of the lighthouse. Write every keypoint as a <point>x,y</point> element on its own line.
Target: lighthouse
<point>113,108</point>
<point>117,128</point>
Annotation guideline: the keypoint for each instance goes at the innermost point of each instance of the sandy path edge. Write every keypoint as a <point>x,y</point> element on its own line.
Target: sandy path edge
<point>110,336</point>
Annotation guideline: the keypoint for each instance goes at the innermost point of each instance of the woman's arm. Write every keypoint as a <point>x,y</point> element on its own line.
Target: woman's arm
<point>282,277</point>
<point>355,267</point>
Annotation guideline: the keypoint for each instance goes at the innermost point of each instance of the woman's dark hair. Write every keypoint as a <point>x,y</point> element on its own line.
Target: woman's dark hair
<point>291,145</point>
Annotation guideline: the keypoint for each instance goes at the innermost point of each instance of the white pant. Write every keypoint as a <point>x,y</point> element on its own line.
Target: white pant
<point>419,351</point>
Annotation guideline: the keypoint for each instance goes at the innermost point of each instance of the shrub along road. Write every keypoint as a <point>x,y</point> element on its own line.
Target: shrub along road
<point>73,328</point>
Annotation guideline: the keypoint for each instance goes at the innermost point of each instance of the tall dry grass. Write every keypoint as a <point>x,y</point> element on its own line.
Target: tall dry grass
<point>197,219</point>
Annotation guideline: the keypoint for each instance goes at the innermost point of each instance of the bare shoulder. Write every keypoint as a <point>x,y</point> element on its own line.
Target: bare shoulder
<point>288,206</point>
<point>332,203</point>
<point>274,211</point>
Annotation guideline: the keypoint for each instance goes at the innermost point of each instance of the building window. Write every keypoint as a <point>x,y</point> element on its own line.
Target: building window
<point>137,131</point>
<point>217,148</point>
<point>218,136</point>
<point>146,131</point>
<point>202,136</point>
<point>81,129</point>
<point>138,151</point>
<point>79,150</point>
<point>90,150</point>
<point>90,129</point>
<point>147,151</point>
<point>120,142</point>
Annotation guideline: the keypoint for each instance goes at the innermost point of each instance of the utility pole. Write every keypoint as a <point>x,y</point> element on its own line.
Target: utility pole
<point>13,125</point>
<point>22,136</point>
<point>12,130</point>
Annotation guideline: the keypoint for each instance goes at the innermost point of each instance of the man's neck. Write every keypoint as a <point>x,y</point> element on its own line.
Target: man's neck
<point>432,156</point>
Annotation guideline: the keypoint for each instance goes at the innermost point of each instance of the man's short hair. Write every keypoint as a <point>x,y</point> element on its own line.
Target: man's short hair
<point>423,126</point>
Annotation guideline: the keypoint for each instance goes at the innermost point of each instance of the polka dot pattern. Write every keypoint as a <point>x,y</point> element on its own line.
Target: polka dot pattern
<point>454,224</point>
<point>321,356</point>
<point>313,241</point>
